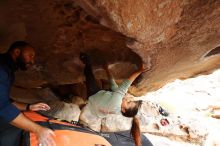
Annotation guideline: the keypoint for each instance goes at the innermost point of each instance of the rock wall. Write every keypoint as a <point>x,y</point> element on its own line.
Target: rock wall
<point>171,37</point>
<point>174,39</point>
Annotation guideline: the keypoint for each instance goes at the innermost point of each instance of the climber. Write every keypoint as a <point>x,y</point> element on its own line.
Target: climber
<point>103,102</point>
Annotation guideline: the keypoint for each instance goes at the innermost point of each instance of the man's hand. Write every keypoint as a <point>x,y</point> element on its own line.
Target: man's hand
<point>39,106</point>
<point>45,137</point>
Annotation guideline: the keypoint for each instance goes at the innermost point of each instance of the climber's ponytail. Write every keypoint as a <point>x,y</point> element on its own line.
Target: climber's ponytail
<point>136,132</point>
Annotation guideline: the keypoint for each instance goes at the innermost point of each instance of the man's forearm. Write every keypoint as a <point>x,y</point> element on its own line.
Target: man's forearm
<point>26,124</point>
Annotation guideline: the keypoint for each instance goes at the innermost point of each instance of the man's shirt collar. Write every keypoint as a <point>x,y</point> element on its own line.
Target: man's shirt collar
<point>7,60</point>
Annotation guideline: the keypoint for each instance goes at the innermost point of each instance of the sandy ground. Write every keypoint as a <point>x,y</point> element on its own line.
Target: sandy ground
<point>163,141</point>
<point>193,99</point>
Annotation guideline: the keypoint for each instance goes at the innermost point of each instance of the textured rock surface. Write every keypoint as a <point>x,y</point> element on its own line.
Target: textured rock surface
<point>171,37</point>
<point>59,30</point>
<point>163,141</point>
<point>196,103</point>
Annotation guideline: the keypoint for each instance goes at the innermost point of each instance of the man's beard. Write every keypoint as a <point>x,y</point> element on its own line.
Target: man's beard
<point>21,64</point>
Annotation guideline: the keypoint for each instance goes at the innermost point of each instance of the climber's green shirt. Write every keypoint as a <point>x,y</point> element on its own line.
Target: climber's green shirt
<point>108,102</point>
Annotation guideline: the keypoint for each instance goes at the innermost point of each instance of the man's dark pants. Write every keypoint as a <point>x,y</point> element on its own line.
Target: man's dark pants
<point>9,134</point>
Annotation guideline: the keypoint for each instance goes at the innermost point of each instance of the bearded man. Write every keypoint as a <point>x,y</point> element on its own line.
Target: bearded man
<point>20,55</point>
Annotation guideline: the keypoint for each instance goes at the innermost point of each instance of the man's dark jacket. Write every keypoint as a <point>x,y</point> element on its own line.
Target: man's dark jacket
<point>8,111</point>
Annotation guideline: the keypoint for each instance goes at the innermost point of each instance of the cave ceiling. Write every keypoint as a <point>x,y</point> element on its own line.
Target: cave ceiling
<point>174,39</point>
